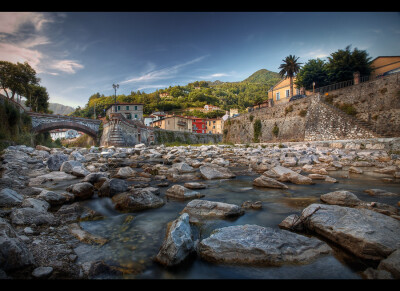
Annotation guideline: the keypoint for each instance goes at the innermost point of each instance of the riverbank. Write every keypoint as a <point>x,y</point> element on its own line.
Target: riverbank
<point>52,229</point>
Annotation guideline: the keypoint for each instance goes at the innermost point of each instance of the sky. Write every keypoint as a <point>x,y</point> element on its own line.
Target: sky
<point>78,54</point>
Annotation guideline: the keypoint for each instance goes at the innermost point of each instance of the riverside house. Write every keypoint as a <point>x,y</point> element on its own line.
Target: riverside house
<point>132,111</point>
<point>175,123</point>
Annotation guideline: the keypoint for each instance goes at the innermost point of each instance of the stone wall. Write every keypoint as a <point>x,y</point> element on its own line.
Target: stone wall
<point>376,101</point>
<point>289,118</point>
<point>326,123</point>
<point>168,136</point>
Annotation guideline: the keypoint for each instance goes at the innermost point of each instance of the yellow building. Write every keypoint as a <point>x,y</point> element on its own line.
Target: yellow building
<point>381,65</point>
<point>214,125</point>
<point>280,93</point>
<point>175,123</point>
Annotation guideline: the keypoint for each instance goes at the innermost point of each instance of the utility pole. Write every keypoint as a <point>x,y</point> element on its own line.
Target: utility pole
<point>94,110</point>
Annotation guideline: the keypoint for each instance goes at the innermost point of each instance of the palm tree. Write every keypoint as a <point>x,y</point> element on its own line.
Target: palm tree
<point>289,69</point>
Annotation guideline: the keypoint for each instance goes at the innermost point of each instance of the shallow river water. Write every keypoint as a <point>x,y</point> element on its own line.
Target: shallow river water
<point>135,238</point>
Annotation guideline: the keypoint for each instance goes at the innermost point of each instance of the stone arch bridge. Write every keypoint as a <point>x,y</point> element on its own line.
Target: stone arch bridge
<point>46,122</point>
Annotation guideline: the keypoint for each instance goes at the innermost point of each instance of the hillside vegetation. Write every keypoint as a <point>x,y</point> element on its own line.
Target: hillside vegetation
<point>225,95</point>
<point>57,108</point>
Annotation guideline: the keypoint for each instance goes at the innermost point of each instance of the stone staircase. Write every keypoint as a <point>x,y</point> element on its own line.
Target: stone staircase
<point>116,138</point>
<point>361,123</point>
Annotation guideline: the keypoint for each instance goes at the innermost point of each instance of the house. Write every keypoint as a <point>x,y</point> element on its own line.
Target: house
<point>232,112</point>
<point>128,110</point>
<point>64,134</point>
<point>214,125</point>
<point>210,108</point>
<point>385,65</point>
<point>198,125</point>
<point>153,117</point>
<point>280,92</point>
<point>175,123</point>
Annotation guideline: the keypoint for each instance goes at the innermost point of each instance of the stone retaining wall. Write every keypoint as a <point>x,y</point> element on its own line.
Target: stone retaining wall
<point>168,136</point>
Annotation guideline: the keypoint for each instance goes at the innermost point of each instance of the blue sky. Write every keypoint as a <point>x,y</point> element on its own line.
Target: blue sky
<point>77,54</point>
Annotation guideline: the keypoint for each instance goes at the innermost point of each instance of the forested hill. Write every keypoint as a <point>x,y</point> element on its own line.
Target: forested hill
<point>180,99</point>
<point>263,76</point>
<point>60,109</point>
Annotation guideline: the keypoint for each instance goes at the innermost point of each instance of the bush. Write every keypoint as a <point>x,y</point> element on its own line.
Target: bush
<point>257,130</point>
<point>348,108</point>
<point>251,117</point>
<point>288,109</point>
<point>275,130</point>
<point>303,112</point>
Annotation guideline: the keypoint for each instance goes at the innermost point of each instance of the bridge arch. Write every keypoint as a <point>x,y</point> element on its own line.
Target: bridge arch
<point>47,122</point>
<point>68,125</point>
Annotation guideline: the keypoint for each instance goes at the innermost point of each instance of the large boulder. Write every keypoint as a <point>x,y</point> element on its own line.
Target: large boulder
<point>112,187</point>
<point>9,197</point>
<point>125,172</point>
<point>14,254</point>
<point>55,161</point>
<point>342,198</point>
<point>183,167</point>
<point>213,171</point>
<point>181,192</point>
<point>52,198</point>
<point>82,191</point>
<point>211,209</point>
<point>264,181</point>
<point>363,232</point>
<point>33,211</point>
<point>257,245</point>
<point>136,200</point>
<point>296,178</point>
<point>178,242</point>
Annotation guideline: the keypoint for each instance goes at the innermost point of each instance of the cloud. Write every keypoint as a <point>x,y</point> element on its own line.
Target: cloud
<point>216,75</point>
<point>19,44</point>
<point>166,73</point>
<point>66,66</point>
<point>12,22</point>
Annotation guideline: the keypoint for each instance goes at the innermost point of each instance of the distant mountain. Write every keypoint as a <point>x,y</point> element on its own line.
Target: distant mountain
<point>263,76</point>
<point>60,109</point>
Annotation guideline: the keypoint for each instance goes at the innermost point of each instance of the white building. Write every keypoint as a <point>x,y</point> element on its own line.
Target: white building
<point>64,134</point>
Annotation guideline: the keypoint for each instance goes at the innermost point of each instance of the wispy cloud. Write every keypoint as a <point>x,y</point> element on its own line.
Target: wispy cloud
<point>67,66</point>
<point>216,75</point>
<point>161,74</point>
<point>22,37</point>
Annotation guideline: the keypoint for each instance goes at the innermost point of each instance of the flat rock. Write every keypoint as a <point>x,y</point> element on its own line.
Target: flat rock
<point>214,171</point>
<point>391,264</point>
<point>267,182</point>
<point>9,197</point>
<point>42,272</point>
<point>257,245</point>
<point>55,161</point>
<point>211,209</point>
<point>380,193</point>
<point>343,198</point>
<point>181,192</point>
<point>195,185</point>
<point>136,200</point>
<point>360,231</point>
<point>55,176</point>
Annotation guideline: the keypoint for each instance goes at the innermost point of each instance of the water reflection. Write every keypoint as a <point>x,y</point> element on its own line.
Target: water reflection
<point>135,238</point>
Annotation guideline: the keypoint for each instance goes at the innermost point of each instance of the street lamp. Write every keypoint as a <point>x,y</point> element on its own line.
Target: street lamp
<point>115,95</point>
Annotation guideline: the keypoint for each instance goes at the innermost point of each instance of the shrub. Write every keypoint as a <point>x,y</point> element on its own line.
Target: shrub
<point>348,108</point>
<point>275,130</point>
<point>288,109</point>
<point>303,112</point>
<point>257,130</point>
<point>251,117</point>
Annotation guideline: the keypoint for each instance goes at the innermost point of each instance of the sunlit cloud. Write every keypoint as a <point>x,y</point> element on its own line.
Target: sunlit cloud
<point>217,75</point>
<point>12,22</point>
<point>66,66</point>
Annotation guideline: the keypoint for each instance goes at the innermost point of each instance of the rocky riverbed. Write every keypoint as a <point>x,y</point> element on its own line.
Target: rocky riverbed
<point>51,225</point>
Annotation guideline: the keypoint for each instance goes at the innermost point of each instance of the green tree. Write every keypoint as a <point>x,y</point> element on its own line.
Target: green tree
<point>16,78</point>
<point>39,99</point>
<point>289,69</point>
<point>315,70</point>
<point>343,63</point>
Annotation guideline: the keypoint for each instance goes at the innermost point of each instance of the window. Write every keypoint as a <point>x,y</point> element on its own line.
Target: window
<point>127,107</point>
<point>287,93</point>
<point>297,92</point>
<point>119,107</point>
<point>135,107</point>
<point>135,116</point>
<point>278,95</point>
